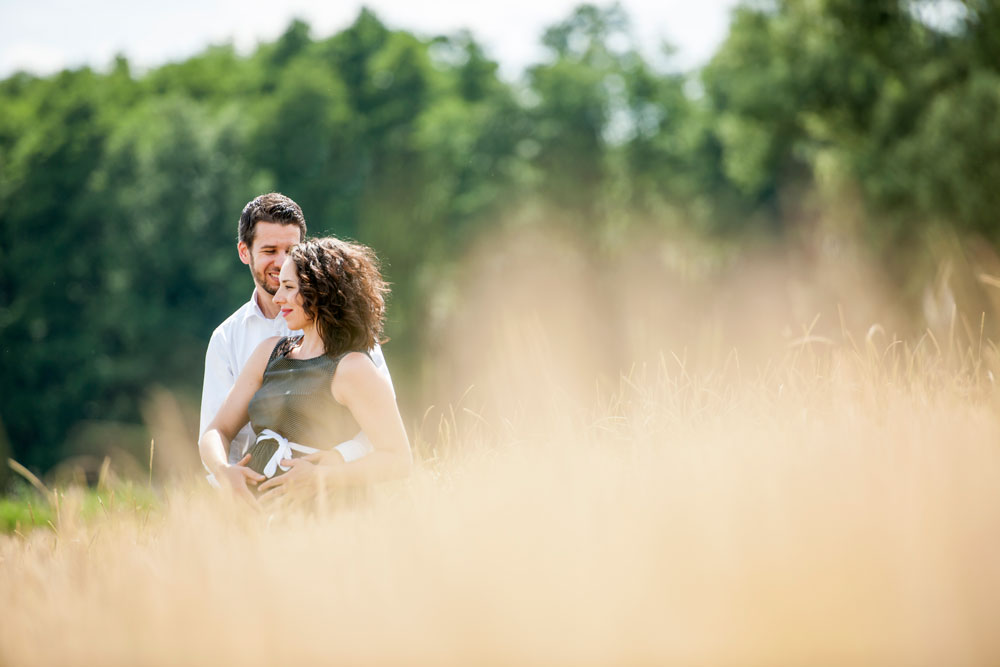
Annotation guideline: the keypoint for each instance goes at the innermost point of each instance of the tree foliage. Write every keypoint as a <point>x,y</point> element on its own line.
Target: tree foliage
<point>119,193</point>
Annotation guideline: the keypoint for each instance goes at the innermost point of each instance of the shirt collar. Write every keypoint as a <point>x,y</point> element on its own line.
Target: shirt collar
<point>253,308</point>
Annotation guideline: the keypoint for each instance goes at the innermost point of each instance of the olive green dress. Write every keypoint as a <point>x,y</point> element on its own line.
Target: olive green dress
<point>295,401</point>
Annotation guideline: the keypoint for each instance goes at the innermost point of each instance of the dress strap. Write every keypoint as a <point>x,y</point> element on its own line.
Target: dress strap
<point>283,347</point>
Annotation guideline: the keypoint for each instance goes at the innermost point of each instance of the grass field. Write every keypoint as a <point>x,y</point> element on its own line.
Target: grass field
<point>836,503</point>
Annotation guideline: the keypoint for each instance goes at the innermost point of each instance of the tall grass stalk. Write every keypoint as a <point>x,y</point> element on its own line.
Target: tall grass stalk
<point>839,505</point>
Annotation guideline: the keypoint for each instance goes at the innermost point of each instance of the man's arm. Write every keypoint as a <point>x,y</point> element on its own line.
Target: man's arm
<point>220,376</point>
<point>214,444</point>
<point>219,379</point>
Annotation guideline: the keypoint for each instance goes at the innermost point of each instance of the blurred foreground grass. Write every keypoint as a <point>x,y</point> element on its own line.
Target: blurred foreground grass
<point>748,490</point>
<point>839,504</point>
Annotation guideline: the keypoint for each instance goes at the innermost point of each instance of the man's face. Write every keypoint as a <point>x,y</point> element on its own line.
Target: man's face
<point>265,256</point>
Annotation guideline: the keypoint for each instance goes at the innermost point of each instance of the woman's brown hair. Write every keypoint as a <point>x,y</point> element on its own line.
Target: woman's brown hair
<point>343,291</point>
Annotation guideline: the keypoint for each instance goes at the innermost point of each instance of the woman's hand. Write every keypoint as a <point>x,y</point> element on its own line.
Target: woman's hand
<point>301,475</point>
<point>236,477</point>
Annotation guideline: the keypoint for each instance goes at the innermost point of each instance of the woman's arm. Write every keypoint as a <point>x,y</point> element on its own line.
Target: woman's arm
<point>214,443</point>
<point>361,388</point>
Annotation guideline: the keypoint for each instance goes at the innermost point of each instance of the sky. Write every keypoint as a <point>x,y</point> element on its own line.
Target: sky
<point>44,36</point>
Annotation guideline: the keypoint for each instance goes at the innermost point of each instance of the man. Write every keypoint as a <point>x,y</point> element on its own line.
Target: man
<point>269,226</point>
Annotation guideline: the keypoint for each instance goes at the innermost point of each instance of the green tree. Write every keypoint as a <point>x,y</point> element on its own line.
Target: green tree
<point>575,99</point>
<point>54,134</point>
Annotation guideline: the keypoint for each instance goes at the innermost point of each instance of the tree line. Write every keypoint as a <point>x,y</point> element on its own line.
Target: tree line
<point>120,191</point>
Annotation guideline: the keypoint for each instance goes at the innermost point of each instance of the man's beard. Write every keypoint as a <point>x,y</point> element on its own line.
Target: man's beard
<point>261,279</point>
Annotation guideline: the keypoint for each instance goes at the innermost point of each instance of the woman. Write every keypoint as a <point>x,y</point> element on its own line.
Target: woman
<point>303,394</point>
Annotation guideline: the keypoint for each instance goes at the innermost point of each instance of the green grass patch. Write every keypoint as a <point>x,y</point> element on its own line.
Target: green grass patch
<point>24,508</point>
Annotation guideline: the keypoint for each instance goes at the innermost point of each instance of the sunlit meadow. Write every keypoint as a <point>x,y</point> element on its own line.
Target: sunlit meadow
<point>672,457</point>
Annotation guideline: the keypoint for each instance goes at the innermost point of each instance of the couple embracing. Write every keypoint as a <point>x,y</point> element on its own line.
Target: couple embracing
<point>296,386</point>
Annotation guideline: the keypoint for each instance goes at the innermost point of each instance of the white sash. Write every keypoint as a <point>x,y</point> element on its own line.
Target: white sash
<point>284,451</point>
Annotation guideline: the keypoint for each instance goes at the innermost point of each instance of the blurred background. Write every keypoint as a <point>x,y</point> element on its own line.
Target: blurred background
<point>612,182</point>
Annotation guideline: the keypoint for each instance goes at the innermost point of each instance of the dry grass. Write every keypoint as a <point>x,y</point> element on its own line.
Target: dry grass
<point>838,503</point>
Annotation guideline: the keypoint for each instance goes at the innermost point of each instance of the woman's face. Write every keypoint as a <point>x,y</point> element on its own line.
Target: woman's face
<point>288,298</point>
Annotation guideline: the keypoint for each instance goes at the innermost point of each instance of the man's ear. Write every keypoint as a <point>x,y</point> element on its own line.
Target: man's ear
<point>244,252</point>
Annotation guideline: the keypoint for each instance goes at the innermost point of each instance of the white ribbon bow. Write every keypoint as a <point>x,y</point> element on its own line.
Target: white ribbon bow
<point>284,451</point>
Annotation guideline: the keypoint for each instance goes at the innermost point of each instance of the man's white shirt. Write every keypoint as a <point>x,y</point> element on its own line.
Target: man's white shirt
<point>230,348</point>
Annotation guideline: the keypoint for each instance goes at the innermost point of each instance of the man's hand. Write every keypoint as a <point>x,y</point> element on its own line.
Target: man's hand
<point>301,475</point>
<point>236,477</point>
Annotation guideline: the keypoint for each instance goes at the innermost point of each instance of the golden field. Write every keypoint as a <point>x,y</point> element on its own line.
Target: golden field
<point>830,496</point>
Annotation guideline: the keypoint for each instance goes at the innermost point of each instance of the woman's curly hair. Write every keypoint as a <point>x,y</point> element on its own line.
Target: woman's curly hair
<point>343,292</point>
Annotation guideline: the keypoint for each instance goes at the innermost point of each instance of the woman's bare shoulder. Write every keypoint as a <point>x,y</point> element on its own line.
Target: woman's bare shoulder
<point>356,365</point>
<point>261,354</point>
<point>355,372</point>
<point>266,347</point>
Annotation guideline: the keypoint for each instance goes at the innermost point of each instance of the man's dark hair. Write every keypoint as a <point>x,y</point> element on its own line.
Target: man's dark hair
<point>272,207</point>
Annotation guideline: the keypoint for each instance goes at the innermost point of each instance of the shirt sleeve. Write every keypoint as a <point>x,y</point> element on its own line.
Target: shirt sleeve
<point>219,379</point>
<point>356,448</point>
<point>379,360</point>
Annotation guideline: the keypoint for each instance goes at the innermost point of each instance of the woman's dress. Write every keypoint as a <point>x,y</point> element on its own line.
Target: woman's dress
<point>294,412</point>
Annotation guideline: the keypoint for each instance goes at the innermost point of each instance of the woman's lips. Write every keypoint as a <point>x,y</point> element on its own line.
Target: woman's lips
<point>285,311</point>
